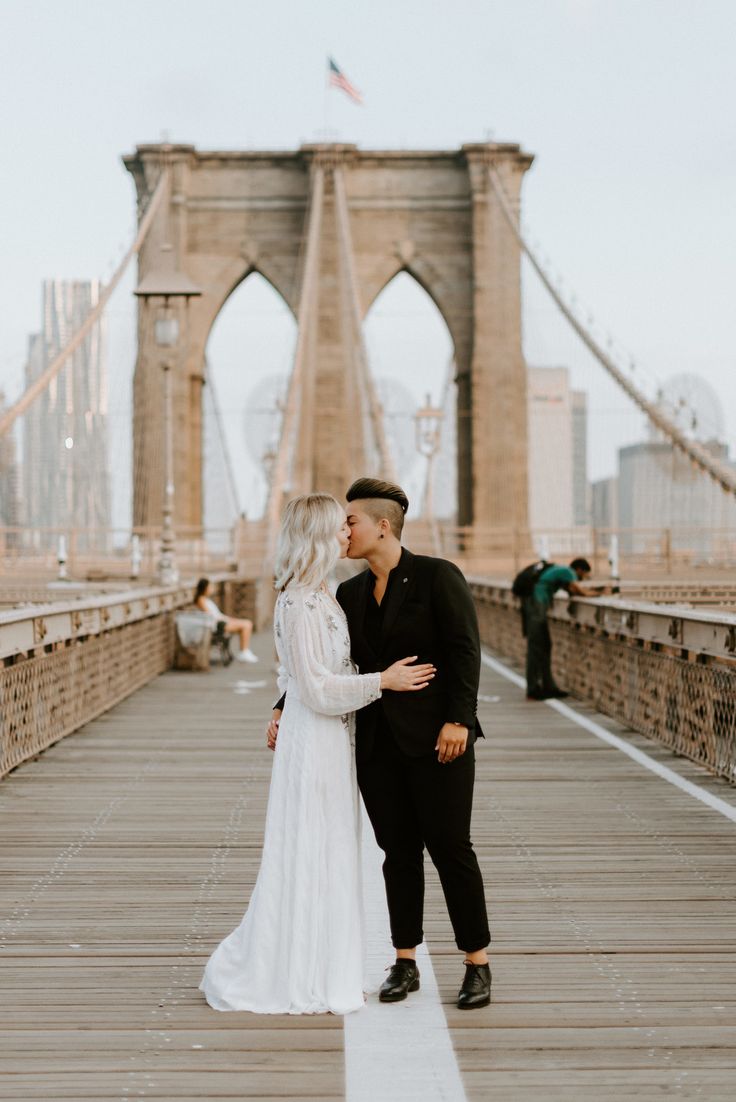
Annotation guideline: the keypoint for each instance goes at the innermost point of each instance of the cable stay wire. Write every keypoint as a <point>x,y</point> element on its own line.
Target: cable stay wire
<point>222,436</point>
<point>693,450</point>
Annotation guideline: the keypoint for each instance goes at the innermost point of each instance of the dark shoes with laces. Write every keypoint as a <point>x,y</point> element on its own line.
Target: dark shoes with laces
<point>403,977</point>
<point>547,694</point>
<point>476,988</point>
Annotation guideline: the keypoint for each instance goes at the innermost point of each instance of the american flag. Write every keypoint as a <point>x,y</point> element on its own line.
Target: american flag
<point>339,80</point>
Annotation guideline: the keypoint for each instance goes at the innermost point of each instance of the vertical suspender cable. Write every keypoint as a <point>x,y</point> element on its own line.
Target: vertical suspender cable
<point>229,472</point>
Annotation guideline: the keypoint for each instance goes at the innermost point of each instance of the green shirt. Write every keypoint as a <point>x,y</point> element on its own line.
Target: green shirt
<point>550,580</point>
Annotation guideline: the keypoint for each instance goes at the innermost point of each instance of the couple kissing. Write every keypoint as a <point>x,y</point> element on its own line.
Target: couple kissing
<point>379,691</point>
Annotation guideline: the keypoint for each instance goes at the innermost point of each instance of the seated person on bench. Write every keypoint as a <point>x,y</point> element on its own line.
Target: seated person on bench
<point>243,628</point>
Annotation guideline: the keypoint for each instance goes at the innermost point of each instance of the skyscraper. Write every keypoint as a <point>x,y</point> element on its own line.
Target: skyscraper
<point>580,486</point>
<point>9,501</point>
<point>558,471</point>
<point>604,503</point>
<point>659,489</point>
<point>65,461</point>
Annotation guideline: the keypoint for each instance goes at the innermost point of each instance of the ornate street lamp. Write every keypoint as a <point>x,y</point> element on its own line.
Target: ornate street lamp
<point>428,427</point>
<point>160,287</point>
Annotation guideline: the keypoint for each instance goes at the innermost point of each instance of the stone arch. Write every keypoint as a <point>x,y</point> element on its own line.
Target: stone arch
<point>220,289</point>
<point>426,276</point>
<point>412,355</point>
<point>431,213</point>
<point>243,351</point>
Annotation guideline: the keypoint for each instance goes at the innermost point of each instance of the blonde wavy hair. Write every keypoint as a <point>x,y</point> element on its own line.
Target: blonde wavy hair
<point>307,549</point>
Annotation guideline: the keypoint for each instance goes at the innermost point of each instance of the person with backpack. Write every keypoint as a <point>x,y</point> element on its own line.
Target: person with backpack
<point>536,586</point>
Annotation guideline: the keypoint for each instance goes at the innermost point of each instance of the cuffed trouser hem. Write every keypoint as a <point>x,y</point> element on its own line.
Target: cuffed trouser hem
<point>471,946</point>
<point>408,943</point>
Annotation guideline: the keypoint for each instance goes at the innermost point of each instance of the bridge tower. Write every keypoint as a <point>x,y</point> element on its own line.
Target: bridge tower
<point>329,226</point>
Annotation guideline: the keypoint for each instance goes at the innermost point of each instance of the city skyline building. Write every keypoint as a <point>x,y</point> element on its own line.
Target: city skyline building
<point>558,465</point>
<point>580,484</point>
<point>10,515</point>
<point>658,489</point>
<point>65,478</point>
<point>657,494</point>
<point>604,503</point>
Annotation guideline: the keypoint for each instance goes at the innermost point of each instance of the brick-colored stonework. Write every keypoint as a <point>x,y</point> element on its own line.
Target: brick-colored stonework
<point>430,213</point>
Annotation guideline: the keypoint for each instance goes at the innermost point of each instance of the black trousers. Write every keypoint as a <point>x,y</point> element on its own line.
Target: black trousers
<point>538,648</point>
<point>417,802</point>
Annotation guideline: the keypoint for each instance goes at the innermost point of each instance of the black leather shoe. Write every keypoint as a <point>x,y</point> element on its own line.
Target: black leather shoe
<point>402,978</point>
<point>476,988</point>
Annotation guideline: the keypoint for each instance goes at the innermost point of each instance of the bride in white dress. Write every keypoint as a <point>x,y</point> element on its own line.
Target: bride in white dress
<point>300,947</point>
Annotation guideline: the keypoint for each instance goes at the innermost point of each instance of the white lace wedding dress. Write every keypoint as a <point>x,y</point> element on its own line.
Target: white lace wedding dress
<point>300,947</point>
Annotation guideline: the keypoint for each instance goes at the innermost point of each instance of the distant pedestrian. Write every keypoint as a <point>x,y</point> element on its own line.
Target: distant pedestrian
<point>242,628</point>
<point>540,684</point>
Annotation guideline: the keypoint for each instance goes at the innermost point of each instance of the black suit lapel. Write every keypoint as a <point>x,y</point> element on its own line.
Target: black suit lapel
<point>396,595</point>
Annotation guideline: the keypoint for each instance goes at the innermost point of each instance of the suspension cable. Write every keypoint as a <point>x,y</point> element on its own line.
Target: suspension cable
<point>694,451</point>
<point>216,409</point>
<point>37,387</point>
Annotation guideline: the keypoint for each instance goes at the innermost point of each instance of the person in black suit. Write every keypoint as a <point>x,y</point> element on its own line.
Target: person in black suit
<point>415,752</point>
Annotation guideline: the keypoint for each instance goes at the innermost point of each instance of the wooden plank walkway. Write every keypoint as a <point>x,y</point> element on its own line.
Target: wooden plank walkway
<point>129,850</point>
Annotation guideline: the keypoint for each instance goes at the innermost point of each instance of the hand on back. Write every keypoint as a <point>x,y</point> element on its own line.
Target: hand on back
<point>403,677</point>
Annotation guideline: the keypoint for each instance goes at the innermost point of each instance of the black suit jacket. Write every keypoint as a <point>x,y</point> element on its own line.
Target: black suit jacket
<point>428,611</point>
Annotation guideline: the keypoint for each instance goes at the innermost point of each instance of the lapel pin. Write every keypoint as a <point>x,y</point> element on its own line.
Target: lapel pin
<point>406,579</point>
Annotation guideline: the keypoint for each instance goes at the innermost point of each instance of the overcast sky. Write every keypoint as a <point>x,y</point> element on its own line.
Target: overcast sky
<point>626,104</point>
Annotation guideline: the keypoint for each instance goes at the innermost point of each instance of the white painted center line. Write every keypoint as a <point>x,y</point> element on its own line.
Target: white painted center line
<point>663,771</point>
<point>400,1050</point>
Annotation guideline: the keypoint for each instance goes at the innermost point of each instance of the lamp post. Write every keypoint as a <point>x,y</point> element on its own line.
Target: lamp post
<point>428,428</point>
<point>161,286</point>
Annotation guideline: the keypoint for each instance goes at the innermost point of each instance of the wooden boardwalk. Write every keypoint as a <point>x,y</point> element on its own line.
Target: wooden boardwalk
<point>129,850</point>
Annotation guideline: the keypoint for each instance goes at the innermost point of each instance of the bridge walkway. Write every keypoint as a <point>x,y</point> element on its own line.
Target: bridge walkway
<point>129,850</point>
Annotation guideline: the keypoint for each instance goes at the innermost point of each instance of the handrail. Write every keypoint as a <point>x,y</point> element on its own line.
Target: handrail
<point>22,630</point>
<point>695,630</point>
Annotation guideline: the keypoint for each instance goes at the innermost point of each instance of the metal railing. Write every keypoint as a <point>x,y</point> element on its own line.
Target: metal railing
<point>664,670</point>
<point>64,663</point>
<point>127,553</point>
<point>667,671</point>
<point>640,551</point>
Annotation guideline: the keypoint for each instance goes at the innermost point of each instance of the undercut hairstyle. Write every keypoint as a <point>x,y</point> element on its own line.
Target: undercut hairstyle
<point>582,565</point>
<point>381,500</point>
<point>307,550</point>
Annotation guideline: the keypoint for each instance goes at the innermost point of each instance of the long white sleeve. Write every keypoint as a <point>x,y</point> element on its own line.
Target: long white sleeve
<point>304,624</point>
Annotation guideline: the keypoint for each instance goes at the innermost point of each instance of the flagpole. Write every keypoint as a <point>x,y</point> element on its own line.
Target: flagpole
<point>326,107</point>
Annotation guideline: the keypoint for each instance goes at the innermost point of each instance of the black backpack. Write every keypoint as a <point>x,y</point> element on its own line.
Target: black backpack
<point>524,582</point>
